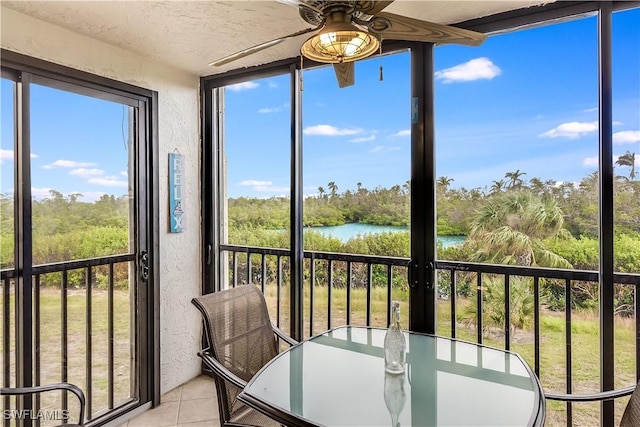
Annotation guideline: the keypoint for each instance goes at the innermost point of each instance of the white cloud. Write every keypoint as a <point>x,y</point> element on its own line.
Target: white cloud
<point>383,148</point>
<point>67,164</point>
<point>263,186</point>
<point>363,139</point>
<point>475,69</point>
<point>590,161</point>
<point>108,181</point>
<point>626,137</point>
<point>571,130</point>
<point>8,155</point>
<point>243,86</point>
<point>403,132</point>
<point>86,173</point>
<point>273,109</point>
<point>124,173</point>
<point>328,130</point>
<point>590,110</point>
<point>254,182</point>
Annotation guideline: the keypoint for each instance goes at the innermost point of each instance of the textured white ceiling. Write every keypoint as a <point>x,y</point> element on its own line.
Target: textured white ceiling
<point>191,34</point>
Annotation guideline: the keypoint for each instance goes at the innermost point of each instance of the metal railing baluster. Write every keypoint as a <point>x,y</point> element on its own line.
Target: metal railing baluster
<point>369,280</point>
<point>349,271</point>
<point>312,281</point>
<point>389,292</point>
<point>479,296</point>
<point>507,312</point>
<point>36,338</point>
<point>536,325</point>
<point>453,296</point>
<point>263,271</point>
<point>568,367</point>
<point>329,292</point>
<point>110,342</point>
<point>89,341</point>
<point>64,342</point>
<point>278,289</point>
<point>6,341</point>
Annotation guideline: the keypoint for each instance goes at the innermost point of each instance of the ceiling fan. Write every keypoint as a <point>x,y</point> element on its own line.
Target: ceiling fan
<point>346,31</point>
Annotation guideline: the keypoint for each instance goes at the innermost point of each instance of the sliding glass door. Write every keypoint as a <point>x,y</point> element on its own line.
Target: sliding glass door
<point>76,238</point>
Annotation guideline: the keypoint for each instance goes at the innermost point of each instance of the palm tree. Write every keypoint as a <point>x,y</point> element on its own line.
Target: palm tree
<point>514,179</point>
<point>628,159</point>
<point>407,187</point>
<point>537,186</point>
<point>444,182</point>
<point>321,192</point>
<point>497,186</point>
<point>510,227</point>
<point>333,188</point>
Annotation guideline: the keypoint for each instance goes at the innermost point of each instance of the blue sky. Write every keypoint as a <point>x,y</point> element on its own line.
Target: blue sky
<point>78,144</point>
<point>525,100</point>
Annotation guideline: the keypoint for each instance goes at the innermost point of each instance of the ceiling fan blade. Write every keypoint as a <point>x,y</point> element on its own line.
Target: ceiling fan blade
<point>345,73</point>
<point>370,7</point>
<point>411,29</point>
<point>258,48</point>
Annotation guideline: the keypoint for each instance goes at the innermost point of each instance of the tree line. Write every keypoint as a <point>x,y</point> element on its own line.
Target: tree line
<point>514,221</point>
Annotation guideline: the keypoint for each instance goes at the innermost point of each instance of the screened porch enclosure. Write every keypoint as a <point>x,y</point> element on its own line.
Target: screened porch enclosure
<point>573,321</point>
<point>497,185</point>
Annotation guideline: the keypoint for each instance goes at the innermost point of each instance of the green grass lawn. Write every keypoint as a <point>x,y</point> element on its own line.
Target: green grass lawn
<point>50,348</point>
<point>585,345</point>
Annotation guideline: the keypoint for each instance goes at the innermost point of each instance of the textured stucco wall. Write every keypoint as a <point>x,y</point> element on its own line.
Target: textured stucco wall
<point>178,128</point>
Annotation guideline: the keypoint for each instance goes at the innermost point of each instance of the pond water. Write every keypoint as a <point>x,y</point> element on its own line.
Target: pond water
<point>347,231</point>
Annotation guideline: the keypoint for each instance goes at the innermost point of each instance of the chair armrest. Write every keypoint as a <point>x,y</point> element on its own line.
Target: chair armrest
<point>593,397</point>
<point>49,387</point>
<point>220,370</point>
<point>284,337</point>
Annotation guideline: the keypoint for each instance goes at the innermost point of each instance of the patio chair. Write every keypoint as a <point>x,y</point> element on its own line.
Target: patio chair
<point>631,414</point>
<point>66,387</point>
<point>241,340</point>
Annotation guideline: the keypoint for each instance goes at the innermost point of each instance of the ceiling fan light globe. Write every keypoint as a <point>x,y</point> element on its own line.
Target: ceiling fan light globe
<point>340,46</point>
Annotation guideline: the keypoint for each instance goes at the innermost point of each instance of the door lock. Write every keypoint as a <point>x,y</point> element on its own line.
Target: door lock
<point>144,266</point>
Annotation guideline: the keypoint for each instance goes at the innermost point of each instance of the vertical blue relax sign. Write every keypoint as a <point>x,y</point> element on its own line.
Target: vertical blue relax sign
<point>176,193</point>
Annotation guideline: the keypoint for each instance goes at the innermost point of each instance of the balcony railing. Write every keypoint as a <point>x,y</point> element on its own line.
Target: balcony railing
<point>75,308</point>
<point>336,277</point>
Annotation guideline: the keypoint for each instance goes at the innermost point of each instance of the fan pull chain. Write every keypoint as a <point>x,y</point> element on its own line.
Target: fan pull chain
<point>381,77</point>
<point>301,81</point>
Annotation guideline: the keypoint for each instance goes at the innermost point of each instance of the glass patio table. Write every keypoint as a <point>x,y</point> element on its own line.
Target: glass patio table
<point>337,378</point>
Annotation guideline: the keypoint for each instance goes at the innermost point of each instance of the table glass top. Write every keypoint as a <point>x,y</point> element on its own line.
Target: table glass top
<point>338,379</point>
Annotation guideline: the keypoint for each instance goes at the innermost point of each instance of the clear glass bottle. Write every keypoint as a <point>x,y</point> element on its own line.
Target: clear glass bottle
<point>394,343</point>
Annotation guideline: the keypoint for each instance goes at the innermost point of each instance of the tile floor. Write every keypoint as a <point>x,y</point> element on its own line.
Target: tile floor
<point>191,404</point>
